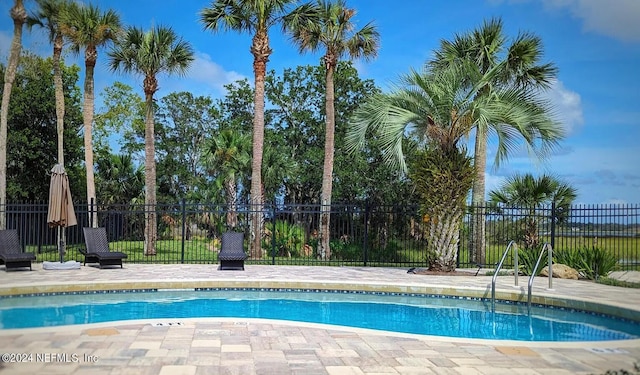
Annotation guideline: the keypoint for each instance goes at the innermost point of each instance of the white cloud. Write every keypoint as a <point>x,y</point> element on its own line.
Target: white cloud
<point>208,72</point>
<point>567,106</point>
<point>601,174</point>
<point>614,18</point>
<point>615,201</point>
<point>492,182</point>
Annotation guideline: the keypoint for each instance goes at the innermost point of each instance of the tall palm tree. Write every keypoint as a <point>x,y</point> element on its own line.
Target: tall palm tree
<point>328,25</point>
<point>253,16</point>
<point>443,106</point>
<point>19,16</point>
<point>89,28</point>
<point>530,194</point>
<point>520,66</point>
<point>228,155</point>
<point>150,53</point>
<point>48,17</point>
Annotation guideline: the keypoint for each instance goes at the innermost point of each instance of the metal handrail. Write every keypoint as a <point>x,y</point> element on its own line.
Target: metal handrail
<point>533,273</point>
<point>495,275</point>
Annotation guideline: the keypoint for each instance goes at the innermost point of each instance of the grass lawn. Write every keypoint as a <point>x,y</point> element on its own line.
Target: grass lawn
<point>626,250</point>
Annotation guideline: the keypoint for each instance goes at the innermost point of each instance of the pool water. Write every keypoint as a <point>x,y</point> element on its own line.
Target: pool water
<point>418,314</point>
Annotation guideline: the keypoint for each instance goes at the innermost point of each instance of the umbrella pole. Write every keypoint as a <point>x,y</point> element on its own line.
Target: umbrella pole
<point>61,244</point>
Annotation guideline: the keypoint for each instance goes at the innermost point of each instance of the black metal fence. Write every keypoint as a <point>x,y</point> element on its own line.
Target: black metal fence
<point>361,235</point>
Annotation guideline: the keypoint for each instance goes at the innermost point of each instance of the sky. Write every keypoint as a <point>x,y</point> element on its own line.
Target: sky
<point>594,43</point>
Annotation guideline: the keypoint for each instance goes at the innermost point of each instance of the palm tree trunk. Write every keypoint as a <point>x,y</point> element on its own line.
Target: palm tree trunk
<point>232,203</point>
<point>87,114</point>
<point>57,80</point>
<point>477,245</point>
<point>260,49</point>
<point>150,226</point>
<point>256,169</point>
<point>444,235</point>
<point>327,171</point>
<point>19,15</point>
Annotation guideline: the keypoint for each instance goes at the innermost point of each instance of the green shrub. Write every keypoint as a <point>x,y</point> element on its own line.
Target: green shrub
<point>616,282</point>
<point>570,257</point>
<point>527,258</point>
<point>389,253</point>
<point>345,250</point>
<point>592,262</point>
<point>286,238</point>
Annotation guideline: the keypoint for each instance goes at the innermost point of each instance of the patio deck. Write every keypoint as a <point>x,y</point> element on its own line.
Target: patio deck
<point>254,346</point>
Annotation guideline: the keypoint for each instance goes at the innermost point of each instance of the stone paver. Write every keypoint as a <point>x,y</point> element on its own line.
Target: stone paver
<point>254,346</point>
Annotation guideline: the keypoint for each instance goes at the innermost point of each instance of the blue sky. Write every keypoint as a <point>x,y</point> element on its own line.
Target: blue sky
<point>594,43</point>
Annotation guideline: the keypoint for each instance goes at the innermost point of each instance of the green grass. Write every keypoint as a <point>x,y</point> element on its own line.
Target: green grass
<point>167,251</point>
<point>627,251</point>
<point>615,282</point>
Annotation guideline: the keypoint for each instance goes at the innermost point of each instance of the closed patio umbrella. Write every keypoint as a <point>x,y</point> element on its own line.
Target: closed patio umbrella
<point>61,213</point>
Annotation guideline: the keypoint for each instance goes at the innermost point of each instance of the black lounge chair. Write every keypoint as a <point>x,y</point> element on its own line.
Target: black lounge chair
<point>11,254</point>
<point>232,253</point>
<point>97,250</point>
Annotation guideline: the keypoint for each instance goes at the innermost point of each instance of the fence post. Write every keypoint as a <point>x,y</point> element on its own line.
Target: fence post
<point>553,225</point>
<point>366,233</point>
<point>273,234</point>
<point>91,212</point>
<point>184,229</point>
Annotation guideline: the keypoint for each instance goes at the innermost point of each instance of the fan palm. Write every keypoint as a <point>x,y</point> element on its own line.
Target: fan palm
<point>48,17</point>
<point>520,67</point>
<point>89,28</point>
<point>119,179</point>
<point>19,16</point>
<point>150,53</point>
<point>329,25</point>
<point>531,194</point>
<point>228,154</point>
<point>253,16</point>
<point>442,106</point>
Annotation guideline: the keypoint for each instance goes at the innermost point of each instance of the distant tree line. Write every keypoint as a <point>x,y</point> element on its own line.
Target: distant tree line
<point>203,144</point>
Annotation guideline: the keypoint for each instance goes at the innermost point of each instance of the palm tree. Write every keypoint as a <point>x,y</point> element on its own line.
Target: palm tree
<point>119,179</point>
<point>520,67</point>
<point>150,53</point>
<point>253,16</point>
<point>89,28</point>
<point>329,25</point>
<point>19,16</point>
<point>48,17</point>
<point>530,193</point>
<point>443,106</point>
<point>228,154</point>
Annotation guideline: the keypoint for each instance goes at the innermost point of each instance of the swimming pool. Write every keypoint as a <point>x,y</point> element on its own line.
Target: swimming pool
<point>408,313</point>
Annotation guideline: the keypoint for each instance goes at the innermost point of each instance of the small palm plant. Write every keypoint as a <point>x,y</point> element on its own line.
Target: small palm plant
<point>532,194</point>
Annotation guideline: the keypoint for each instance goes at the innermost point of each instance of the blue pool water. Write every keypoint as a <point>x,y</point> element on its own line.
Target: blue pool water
<point>420,314</point>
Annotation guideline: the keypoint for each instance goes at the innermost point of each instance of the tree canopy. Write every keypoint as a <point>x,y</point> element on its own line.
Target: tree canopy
<point>32,143</point>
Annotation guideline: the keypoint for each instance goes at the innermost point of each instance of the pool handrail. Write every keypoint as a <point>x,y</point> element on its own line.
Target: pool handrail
<point>533,272</point>
<point>495,274</point>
